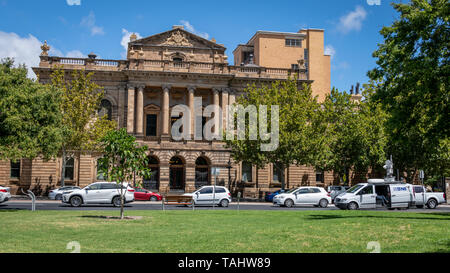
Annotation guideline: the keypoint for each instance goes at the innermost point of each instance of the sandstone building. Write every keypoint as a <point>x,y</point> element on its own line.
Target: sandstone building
<point>172,68</point>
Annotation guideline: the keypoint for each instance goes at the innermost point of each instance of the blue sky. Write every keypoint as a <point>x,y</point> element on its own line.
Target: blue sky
<point>77,27</point>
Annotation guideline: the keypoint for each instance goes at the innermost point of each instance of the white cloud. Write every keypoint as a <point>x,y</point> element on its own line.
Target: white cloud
<point>73,2</point>
<point>89,22</point>
<point>26,50</point>
<point>329,50</point>
<point>125,40</point>
<point>190,28</point>
<point>353,20</point>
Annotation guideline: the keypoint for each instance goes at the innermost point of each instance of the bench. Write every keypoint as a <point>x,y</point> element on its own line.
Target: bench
<point>177,200</point>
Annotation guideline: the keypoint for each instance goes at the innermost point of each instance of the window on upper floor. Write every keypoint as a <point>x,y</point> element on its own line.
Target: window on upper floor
<point>151,125</point>
<point>294,42</point>
<point>105,109</point>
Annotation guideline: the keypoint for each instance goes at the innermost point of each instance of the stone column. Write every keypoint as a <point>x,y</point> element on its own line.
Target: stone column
<point>216,117</point>
<point>191,90</point>
<point>121,91</point>
<point>165,110</point>
<point>140,111</point>
<point>231,97</point>
<point>225,92</point>
<point>130,111</point>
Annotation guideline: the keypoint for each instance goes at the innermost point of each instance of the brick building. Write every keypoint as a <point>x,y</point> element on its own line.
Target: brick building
<point>172,68</point>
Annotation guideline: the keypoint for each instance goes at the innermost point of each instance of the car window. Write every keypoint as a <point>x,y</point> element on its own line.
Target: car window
<point>206,190</point>
<point>418,189</point>
<point>314,190</point>
<point>367,190</point>
<point>355,188</point>
<point>94,187</point>
<point>303,191</point>
<point>220,190</point>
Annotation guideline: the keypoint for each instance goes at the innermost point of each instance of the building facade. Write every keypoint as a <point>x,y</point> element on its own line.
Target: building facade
<point>172,68</point>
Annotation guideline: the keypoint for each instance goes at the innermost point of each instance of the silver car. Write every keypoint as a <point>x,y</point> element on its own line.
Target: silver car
<point>57,194</point>
<point>335,191</point>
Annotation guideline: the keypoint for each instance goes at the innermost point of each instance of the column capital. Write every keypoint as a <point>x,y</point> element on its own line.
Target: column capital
<point>226,90</point>
<point>131,86</point>
<point>166,87</point>
<point>216,90</point>
<point>141,87</point>
<point>191,88</point>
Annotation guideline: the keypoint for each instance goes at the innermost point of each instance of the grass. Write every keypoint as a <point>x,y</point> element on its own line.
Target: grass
<point>224,231</point>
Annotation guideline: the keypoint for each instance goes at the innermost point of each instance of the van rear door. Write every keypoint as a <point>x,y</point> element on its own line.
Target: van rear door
<point>400,196</point>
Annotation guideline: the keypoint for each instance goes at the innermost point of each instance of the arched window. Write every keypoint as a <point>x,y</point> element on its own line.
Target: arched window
<point>105,109</point>
<point>201,172</point>
<point>152,182</point>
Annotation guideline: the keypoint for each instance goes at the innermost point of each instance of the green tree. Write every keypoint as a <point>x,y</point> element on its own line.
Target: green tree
<point>352,134</point>
<point>413,69</point>
<point>297,108</point>
<point>82,126</point>
<point>29,115</point>
<point>123,158</point>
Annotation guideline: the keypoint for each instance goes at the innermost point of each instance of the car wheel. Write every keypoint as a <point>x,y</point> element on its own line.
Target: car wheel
<point>224,203</point>
<point>58,197</point>
<point>153,198</point>
<point>431,204</point>
<point>289,203</point>
<point>323,203</point>
<point>116,201</point>
<point>76,201</point>
<point>352,206</point>
<point>419,206</point>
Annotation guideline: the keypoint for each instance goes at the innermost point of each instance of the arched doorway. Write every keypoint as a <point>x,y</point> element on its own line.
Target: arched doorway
<point>152,182</point>
<point>202,170</point>
<point>177,177</point>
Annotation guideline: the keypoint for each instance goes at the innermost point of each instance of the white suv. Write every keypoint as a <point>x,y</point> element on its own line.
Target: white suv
<point>206,194</point>
<point>315,196</point>
<point>99,193</point>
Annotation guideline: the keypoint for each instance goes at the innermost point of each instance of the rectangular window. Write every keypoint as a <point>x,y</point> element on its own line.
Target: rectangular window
<point>247,172</point>
<point>15,169</point>
<point>151,125</point>
<point>319,177</point>
<point>277,173</point>
<point>295,67</point>
<point>69,170</point>
<point>294,42</point>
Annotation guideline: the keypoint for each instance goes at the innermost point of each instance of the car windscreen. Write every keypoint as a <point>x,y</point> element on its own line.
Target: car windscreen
<point>355,188</point>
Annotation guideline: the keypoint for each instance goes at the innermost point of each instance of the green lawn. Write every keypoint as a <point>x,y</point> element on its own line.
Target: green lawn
<point>225,231</point>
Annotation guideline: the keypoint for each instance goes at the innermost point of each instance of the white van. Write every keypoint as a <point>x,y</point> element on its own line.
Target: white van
<point>377,193</point>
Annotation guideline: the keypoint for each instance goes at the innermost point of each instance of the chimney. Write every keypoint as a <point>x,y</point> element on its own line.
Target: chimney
<point>351,90</point>
<point>357,88</point>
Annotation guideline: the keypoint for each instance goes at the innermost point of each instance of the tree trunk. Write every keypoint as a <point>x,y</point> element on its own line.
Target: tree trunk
<point>63,170</point>
<point>121,201</point>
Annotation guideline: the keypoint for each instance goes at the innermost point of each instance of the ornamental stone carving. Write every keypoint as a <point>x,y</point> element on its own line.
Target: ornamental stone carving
<point>177,39</point>
<point>45,48</point>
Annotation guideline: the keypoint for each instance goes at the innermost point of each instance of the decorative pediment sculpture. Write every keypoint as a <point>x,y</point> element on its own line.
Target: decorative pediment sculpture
<point>45,48</point>
<point>177,39</point>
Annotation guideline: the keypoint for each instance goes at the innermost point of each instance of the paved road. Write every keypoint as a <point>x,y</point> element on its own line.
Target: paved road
<point>57,205</point>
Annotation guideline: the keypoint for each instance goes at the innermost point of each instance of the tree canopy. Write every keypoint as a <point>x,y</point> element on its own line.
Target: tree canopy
<point>29,115</point>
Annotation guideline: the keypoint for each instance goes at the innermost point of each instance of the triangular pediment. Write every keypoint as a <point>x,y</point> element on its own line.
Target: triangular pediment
<point>177,37</point>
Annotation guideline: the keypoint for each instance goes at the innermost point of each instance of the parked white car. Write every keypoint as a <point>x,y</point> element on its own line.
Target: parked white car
<point>99,193</point>
<point>430,199</point>
<point>313,196</point>
<point>206,194</point>
<point>56,194</point>
<point>377,193</point>
<point>5,195</point>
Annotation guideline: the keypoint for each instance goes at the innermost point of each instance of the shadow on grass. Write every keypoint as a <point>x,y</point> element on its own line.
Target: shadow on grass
<point>112,217</point>
<point>442,248</point>
<point>334,217</point>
